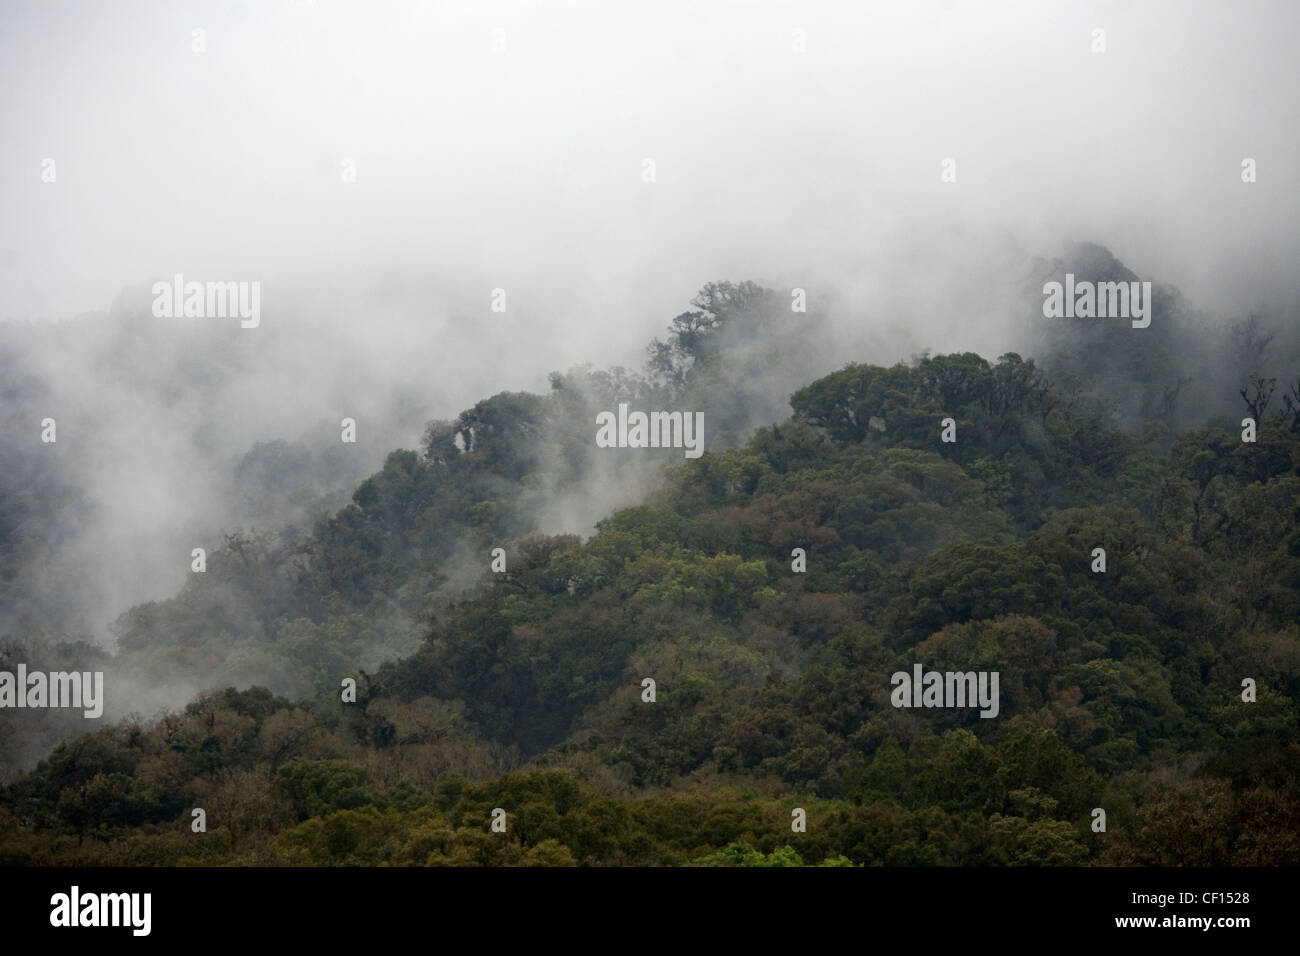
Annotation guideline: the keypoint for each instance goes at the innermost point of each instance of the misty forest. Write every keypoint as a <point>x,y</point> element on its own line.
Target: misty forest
<point>649,438</point>
<point>769,589</point>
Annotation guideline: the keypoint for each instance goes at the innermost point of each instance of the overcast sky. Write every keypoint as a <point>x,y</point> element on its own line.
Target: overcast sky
<point>503,145</point>
<point>522,169</point>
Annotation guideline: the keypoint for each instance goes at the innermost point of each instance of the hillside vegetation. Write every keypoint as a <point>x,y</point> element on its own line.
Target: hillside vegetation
<point>523,690</point>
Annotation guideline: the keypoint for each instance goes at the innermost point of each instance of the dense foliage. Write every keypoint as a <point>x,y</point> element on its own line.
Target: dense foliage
<point>522,690</point>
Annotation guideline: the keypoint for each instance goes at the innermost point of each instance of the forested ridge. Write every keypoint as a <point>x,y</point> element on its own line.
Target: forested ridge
<point>523,690</point>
